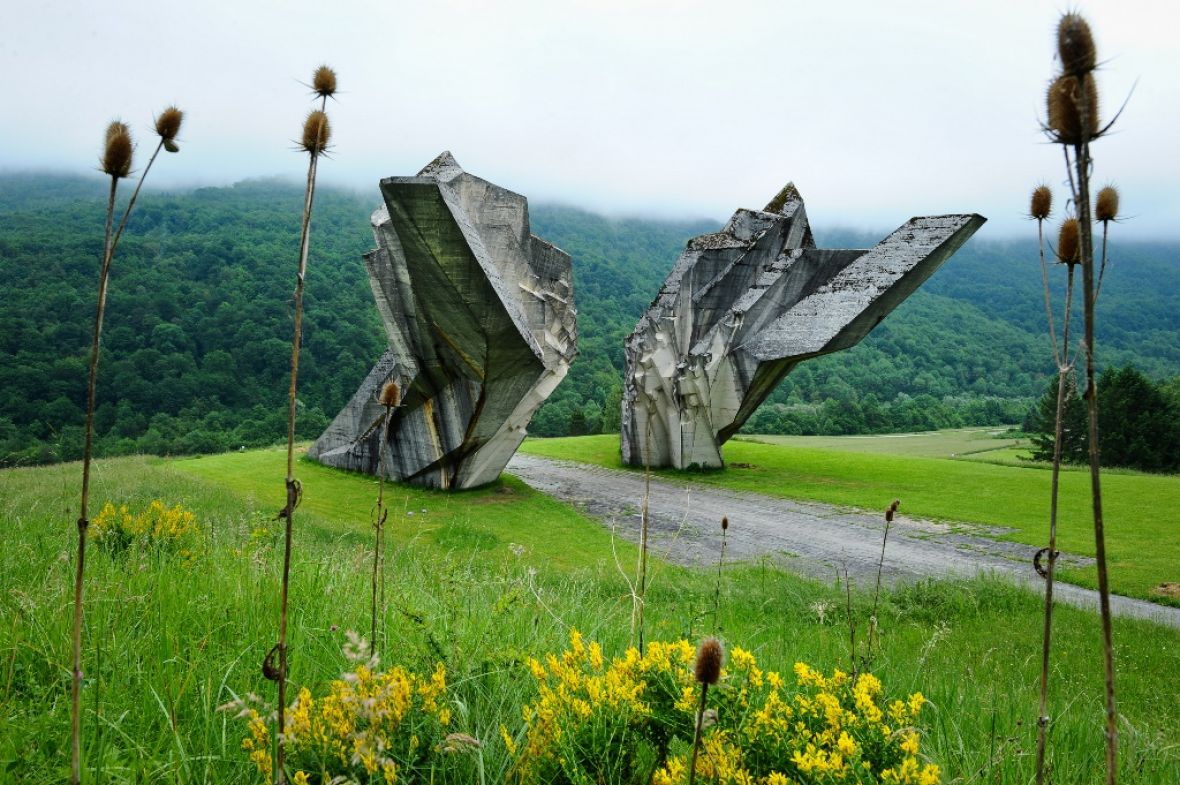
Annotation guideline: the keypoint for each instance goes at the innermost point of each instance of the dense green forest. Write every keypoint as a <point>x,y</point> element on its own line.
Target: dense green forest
<point>196,343</point>
<point>1138,422</point>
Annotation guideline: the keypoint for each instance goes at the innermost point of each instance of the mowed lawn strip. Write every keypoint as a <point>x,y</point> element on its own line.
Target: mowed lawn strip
<point>491,519</point>
<point>1142,526</point>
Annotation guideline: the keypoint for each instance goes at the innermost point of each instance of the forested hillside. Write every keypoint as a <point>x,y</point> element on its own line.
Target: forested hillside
<point>197,339</point>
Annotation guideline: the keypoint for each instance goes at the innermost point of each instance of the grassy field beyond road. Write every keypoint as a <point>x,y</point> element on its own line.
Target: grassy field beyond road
<point>1142,525</point>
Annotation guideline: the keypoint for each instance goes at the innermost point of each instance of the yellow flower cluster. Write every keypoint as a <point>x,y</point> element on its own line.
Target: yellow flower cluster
<point>595,721</point>
<point>828,729</point>
<point>158,524</point>
<point>591,717</point>
<point>371,726</point>
<point>257,743</point>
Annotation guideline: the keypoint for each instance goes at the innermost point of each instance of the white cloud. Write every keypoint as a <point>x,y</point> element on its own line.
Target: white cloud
<point>877,111</point>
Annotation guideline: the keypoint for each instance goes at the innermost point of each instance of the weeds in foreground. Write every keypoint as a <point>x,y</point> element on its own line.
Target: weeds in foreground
<point>390,398</point>
<point>1073,122</point>
<point>116,162</point>
<point>316,135</point>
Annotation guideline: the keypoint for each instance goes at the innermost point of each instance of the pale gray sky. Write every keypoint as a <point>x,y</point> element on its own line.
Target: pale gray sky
<point>877,110</point>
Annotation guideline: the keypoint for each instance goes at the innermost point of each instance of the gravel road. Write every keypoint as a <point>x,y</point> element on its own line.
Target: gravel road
<point>808,538</point>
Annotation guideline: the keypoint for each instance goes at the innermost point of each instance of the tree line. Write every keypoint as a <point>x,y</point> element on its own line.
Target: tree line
<point>196,346</point>
<point>1138,422</point>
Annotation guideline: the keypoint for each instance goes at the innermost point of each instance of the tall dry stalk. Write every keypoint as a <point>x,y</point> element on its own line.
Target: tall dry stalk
<point>717,585</point>
<point>1073,123</point>
<point>873,638</point>
<point>316,134</point>
<point>116,162</point>
<point>390,398</point>
<point>639,595</point>
<point>1068,254</point>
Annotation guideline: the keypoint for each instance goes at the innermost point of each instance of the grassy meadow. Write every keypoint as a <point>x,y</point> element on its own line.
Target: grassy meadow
<point>479,581</point>
<point>951,476</point>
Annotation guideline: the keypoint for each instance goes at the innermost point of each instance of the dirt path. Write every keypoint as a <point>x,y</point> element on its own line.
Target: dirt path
<point>809,538</point>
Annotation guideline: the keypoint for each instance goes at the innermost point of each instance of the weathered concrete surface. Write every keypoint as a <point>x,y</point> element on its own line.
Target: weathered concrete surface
<point>744,306</point>
<point>481,325</point>
<point>807,538</point>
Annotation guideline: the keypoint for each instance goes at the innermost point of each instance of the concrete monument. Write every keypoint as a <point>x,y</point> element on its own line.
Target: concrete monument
<point>744,306</point>
<point>481,325</point>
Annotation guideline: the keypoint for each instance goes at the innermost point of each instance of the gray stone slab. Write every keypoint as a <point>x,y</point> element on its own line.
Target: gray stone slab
<point>481,324</point>
<point>742,307</point>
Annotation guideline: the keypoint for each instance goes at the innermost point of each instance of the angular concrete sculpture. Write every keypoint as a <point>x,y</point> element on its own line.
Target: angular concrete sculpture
<point>481,325</point>
<point>745,305</point>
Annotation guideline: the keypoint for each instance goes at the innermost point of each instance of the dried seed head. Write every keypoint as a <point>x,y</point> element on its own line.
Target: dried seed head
<point>391,394</point>
<point>1068,97</point>
<point>116,156</point>
<point>1075,45</point>
<point>709,656</point>
<point>168,123</point>
<point>323,81</point>
<point>316,133</point>
<point>117,127</point>
<point>1041,203</point>
<point>724,522</point>
<point>1068,243</point>
<point>1106,206</point>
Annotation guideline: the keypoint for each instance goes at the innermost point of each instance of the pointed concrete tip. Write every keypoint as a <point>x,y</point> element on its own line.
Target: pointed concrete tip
<point>788,195</point>
<point>444,164</point>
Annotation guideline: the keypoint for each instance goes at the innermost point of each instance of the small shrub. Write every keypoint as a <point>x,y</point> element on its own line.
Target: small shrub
<point>371,726</point>
<point>632,719</point>
<point>173,529</point>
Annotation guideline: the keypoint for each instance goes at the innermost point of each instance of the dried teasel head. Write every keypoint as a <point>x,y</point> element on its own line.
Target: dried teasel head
<point>168,123</point>
<point>116,155</point>
<point>391,394</point>
<point>316,133</point>
<point>1075,45</point>
<point>1069,248</point>
<point>1041,203</point>
<point>1068,98</point>
<point>323,81</point>
<point>1106,205</point>
<point>724,523</point>
<point>709,657</point>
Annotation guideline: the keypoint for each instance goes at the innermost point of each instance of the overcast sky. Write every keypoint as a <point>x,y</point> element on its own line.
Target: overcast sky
<point>876,110</point>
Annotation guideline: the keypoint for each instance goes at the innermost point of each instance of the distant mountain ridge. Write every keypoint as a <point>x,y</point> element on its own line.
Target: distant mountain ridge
<point>196,342</point>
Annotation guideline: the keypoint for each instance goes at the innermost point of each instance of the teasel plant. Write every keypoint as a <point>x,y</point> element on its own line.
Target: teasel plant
<point>873,639</point>
<point>116,162</point>
<point>1067,252</point>
<point>639,587</point>
<point>717,585</point>
<point>1073,122</point>
<point>390,398</point>
<point>707,672</point>
<point>316,134</point>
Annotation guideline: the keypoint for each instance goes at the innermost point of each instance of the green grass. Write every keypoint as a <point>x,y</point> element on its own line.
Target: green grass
<point>167,643</point>
<point>1142,529</point>
<point>953,443</point>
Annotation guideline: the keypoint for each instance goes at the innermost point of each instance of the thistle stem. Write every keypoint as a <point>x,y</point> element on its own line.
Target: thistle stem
<point>110,243</point>
<point>696,737</point>
<point>379,533</point>
<point>1082,161</point>
<point>1064,366</point>
<point>293,489</point>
